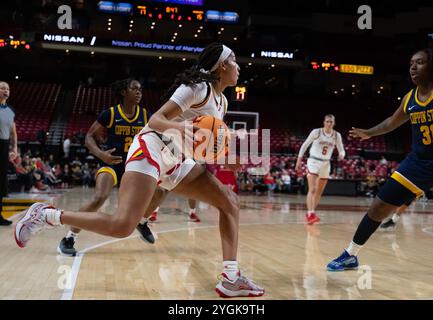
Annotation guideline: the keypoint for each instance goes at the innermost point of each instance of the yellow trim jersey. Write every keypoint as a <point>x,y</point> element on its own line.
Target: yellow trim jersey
<point>121,129</point>
<point>421,119</point>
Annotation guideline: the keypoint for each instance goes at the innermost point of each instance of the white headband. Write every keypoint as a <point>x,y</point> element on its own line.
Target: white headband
<point>224,55</point>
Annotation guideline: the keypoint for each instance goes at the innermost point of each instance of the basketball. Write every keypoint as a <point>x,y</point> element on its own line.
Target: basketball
<point>211,142</point>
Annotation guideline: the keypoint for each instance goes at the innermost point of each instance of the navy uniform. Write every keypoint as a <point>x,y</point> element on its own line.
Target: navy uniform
<point>120,133</point>
<point>414,176</point>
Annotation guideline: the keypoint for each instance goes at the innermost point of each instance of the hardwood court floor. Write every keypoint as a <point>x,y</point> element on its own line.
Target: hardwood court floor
<point>276,249</point>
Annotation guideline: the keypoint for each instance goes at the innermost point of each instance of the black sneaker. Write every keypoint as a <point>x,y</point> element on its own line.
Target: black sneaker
<point>66,247</point>
<point>145,233</point>
<point>4,222</point>
<point>389,225</point>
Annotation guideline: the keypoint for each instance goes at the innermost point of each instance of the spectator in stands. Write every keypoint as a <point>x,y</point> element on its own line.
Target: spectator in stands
<point>66,147</point>
<point>49,177</point>
<point>76,174</point>
<point>51,161</point>
<point>383,160</point>
<point>245,182</point>
<point>8,144</point>
<point>371,185</point>
<point>41,136</point>
<point>76,162</point>
<point>269,181</point>
<point>86,175</point>
<point>285,182</point>
<point>66,176</point>
<point>24,173</point>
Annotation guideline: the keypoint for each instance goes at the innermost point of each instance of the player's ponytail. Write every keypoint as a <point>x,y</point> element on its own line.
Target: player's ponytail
<point>119,86</point>
<point>200,71</point>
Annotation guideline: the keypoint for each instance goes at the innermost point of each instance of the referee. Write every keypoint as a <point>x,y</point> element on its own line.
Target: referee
<point>8,144</point>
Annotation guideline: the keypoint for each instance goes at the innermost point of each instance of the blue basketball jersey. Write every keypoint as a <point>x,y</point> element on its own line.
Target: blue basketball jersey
<point>421,119</point>
<point>120,129</point>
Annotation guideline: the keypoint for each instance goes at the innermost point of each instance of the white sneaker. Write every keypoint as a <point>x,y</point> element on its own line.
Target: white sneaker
<point>32,223</point>
<point>241,287</point>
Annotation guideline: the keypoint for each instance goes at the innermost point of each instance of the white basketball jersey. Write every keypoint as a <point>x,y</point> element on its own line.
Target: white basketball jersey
<point>211,105</point>
<point>198,100</point>
<point>323,144</point>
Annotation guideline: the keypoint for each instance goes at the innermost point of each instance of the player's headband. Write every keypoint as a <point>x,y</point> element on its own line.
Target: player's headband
<point>223,56</point>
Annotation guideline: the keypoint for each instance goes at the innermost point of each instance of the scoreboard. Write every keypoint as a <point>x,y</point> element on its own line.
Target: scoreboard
<point>165,12</point>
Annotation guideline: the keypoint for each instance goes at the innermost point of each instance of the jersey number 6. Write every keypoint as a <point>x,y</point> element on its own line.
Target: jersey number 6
<point>325,150</point>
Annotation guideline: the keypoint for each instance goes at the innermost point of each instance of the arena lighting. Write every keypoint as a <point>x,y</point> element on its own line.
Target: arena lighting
<point>114,7</point>
<point>276,54</point>
<point>183,2</point>
<point>357,69</point>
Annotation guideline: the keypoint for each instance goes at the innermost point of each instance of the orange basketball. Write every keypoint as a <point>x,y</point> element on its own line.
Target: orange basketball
<point>211,142</point>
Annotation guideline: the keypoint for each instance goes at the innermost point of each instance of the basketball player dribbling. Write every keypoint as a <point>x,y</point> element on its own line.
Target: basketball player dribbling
<point>323,141</point>
<point>414,176</point>
<point>196,92</point>
<point>122,122</point>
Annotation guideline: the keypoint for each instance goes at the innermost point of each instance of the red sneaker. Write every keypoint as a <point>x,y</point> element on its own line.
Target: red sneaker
<point>311,219</point>
<point>194,218</point>
<point>154,216</point>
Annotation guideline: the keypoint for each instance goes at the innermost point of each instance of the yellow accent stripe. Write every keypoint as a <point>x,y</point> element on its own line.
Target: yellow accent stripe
<point>407,100</point>
<point>111,117</point>
<point>137,113</point>
<point>110,171</point>
<point>15,208</point>
<point>407,183</point>
<point>137,153</point>
<point>145,116</point>
<point>9,214</point>
<point>423,104</point>
<point>16,200</point>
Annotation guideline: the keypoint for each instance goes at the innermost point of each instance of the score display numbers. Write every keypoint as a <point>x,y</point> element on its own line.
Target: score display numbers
<point>170,13</point>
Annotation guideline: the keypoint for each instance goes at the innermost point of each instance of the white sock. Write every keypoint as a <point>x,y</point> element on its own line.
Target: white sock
<point>353,248</point>
<point>309,213</point>
<point>191,211</point>
<point>156,210</point>
<point>395,218</point>
<point>71,234</point>
<point>52,216</point>
<point>231,269</point>
<point>143,220</point>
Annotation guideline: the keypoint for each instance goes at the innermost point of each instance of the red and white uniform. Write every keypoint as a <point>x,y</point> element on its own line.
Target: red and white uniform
<point>149,154</point>
<point>322,147</point>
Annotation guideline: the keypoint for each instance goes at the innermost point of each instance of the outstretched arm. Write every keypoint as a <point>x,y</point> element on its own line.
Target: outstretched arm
<point>93,147</point>
<point>389,124</point>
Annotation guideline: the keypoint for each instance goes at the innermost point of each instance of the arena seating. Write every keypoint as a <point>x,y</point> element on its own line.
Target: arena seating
<point>89,102</point>
<point>34,104</point>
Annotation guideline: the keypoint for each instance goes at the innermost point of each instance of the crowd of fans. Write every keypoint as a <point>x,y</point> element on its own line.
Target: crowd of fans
<point>40,174</point>
<point>282,178</point>
<point>36,174</point>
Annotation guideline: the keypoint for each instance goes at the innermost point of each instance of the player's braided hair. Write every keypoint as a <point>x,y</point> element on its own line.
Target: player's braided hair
<point>195,74</point>
<point>120,85</point>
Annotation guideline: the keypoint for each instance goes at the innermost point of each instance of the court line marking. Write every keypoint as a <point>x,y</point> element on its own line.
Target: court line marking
<point>68,292</point>
<point>428,230</point>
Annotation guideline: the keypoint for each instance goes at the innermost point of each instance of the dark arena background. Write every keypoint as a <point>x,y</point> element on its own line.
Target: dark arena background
<point>298,62</point>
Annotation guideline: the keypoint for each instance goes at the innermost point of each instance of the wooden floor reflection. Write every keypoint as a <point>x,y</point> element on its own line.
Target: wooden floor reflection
<point>276,249</point>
